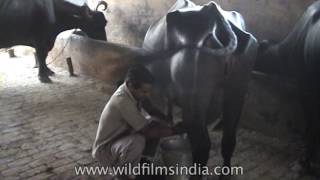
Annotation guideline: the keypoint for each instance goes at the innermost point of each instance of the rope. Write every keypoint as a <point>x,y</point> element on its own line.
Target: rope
<point>65,45</point>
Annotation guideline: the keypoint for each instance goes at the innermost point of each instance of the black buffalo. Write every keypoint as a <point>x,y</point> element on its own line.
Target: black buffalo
<point>298,57</point>
<point>203,63</point>
<point>37,23</point>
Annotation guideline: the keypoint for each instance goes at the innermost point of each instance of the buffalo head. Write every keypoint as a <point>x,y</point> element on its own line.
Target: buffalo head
<point>93,23</point>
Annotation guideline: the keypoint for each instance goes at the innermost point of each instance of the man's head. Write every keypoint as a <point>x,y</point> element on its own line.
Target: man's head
<point>139,81</point>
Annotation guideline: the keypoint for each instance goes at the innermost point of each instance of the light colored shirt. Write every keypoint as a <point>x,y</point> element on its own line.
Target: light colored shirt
<point>121,114</point>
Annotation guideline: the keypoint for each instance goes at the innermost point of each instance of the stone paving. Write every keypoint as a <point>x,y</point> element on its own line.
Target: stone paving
<point>48,129</point>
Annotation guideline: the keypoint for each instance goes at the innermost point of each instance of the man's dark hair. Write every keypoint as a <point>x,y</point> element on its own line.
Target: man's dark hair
<point>138,75</point>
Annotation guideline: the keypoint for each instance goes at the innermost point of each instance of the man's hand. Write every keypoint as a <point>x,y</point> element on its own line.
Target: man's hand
<point>157,130</point>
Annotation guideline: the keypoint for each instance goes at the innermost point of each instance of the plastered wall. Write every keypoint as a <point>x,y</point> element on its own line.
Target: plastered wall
<point>266,19</point>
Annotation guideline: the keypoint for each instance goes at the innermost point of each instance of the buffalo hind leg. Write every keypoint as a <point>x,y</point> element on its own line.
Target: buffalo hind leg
<point>231,114</point>
<point>311,105</point>
<point>43,69</point>
<point>200,145</point>
<point>197,134</point>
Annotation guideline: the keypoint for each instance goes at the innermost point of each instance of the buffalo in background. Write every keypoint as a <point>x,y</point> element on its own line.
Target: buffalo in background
<point>298,57</point>
<point>37,23</point>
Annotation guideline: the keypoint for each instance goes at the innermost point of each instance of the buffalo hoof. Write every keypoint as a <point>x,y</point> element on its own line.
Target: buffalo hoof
<point>45,79</point>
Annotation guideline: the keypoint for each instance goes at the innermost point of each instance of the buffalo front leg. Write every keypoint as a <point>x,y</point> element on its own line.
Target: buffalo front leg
<point>41,57</point>
<point>48,71</point>
<point>36,62</point>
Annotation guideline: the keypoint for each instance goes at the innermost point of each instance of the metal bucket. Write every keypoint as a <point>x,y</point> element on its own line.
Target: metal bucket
<point>176,153</point>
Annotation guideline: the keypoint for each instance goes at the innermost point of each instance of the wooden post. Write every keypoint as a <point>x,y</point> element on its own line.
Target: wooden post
<point>70,66</point>
<point>11,53</point>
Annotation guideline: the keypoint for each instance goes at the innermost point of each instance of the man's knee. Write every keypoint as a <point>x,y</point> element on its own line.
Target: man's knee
<point>104,156</point>
<point>139,143</point>
<point>132,150</point>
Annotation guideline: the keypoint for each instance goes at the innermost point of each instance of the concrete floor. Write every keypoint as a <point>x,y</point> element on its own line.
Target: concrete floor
<point>48,129</point>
